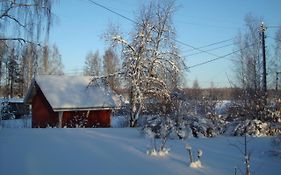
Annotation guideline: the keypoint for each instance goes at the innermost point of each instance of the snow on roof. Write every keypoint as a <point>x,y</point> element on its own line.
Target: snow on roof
<point>73,92</point>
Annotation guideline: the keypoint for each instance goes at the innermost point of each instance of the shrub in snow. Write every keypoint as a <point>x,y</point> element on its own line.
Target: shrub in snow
<point>6,111</point>
<point>167,126</point>
<point>202,126</point>
<point>78,121</point>
<point>254,128</point>
<point>158,128</point>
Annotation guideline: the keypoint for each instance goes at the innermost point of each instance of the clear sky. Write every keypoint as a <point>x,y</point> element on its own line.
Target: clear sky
<point>79,25</point>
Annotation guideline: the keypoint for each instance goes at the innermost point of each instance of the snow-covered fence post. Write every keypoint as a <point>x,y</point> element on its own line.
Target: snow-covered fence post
<point>246,153</point>
<point>188,148</point>
<point>196,163</point>
<point>247,162</point>
<point>200,153</point>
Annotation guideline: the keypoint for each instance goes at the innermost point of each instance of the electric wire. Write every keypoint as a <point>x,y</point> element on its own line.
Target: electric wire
<point>195,48</point>
<point>219,42</point>
<point>220,57</point>
<point>112,11</point>
<point>197,53</point>
<point>178,41</point>
<point>135,22</point>
<point>212,44</point>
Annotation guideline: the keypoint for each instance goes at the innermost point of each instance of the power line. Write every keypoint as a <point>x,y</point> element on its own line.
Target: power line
<point>135,22</point>
<point>195,48</point>
<point>210,50</point>
<point>219,42</point>
<point>220,57</point>
<point>112,11</point>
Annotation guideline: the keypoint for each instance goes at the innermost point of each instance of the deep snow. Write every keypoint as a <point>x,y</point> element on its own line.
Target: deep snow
<point>123,151</point>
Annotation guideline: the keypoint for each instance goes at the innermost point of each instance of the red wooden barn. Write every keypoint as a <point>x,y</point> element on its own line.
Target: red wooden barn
<point>68,101</point>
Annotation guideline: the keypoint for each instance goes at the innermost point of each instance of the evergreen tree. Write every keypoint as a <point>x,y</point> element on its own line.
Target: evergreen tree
<point>14,78</point>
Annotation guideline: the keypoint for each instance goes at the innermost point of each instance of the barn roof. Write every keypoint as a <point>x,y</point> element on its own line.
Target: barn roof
<point>71,93</point>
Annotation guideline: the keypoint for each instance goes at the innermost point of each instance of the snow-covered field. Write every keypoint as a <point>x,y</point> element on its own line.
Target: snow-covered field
<point>123,151</point>
<point>16,123</point>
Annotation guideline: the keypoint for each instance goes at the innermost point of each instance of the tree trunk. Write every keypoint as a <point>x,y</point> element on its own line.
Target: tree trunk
<point>133,123</point>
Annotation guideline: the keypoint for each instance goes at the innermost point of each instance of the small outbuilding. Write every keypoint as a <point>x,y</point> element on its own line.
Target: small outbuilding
<point>69,101</point>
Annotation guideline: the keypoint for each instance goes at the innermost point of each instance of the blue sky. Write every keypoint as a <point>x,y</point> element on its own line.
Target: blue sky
<point>79,25</point>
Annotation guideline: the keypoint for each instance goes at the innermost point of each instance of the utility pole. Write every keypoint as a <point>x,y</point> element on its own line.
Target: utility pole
<point>263,28</point>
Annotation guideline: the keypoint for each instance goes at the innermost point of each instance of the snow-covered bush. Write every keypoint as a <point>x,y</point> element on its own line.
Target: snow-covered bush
<point>6,111</point>
<point>252,127</point>
<point>201,126</point>
<point>188,126</point>
<point>78,121</point>
<point>158,128</point>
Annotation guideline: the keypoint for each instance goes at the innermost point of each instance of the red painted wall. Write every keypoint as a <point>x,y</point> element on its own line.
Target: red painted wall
<point>97,118</point>
<point>100,118</point>
<point>42,113</point>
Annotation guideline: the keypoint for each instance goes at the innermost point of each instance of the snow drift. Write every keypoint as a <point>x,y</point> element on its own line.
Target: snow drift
<point>122,151</point>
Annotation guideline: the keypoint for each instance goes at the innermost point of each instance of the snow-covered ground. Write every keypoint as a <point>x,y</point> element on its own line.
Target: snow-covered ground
<point>16,123</point>
<point>123,151</point>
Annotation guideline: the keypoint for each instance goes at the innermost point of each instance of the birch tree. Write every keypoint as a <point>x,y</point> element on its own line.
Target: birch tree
<point>25,20</point>
<point>50,62</point>
<point>24,24</point>
<point>92,65</point>
<point>277,60</point>
<point>29,64</point>
<point>248,69</point>
<point>150,57</point>
<point>110,66</point>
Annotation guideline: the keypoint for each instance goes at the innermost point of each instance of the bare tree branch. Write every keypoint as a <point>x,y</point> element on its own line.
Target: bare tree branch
<point>20,40</point>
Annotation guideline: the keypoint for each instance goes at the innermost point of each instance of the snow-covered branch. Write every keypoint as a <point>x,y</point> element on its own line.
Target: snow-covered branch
<point>119,39</point>
<point>96,78</point>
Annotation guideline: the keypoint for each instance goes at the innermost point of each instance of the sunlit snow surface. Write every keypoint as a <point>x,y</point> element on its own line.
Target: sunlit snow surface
<point>123,151</point>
